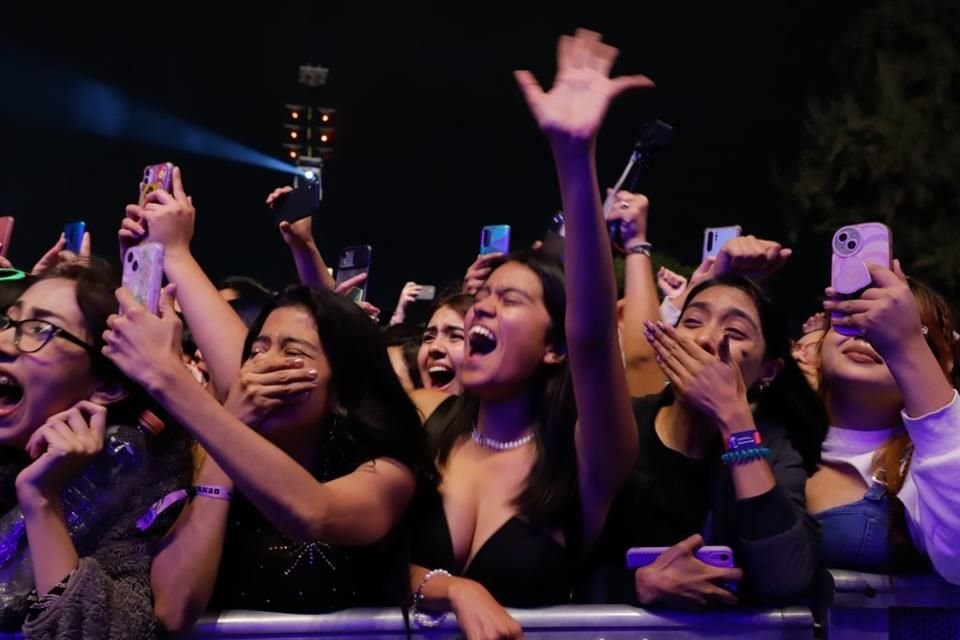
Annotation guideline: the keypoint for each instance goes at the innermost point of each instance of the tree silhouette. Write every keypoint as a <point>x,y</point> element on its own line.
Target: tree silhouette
<point>885,144</point>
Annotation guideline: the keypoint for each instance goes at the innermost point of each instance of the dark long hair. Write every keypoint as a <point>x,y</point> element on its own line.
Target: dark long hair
<point>378,418</point>
<point>383,422</point>
<point>96,282</point>
<point>789,401</point>
<point>550,489</point>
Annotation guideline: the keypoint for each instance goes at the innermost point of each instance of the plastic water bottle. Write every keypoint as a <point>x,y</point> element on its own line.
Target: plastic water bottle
<point>104,484</point>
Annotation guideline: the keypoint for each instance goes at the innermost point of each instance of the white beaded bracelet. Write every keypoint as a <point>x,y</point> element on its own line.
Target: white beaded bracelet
<point>421,619</point>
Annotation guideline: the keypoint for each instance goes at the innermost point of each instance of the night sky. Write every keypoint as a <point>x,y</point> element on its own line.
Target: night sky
<point>433,140</point>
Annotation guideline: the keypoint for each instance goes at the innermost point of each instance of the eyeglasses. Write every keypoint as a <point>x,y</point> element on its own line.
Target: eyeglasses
<point>32,334</point>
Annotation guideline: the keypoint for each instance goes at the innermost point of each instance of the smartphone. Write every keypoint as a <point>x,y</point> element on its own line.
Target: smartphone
<point>143,273</point>
<point>655,136</point>
<point>6,231</point>
<point>555,238</point>
<point>717,556</point>
<point>427,292</point>
<point>302,202</point>
<point>495,239</point>
<point>715,237</point>
<point>354,261</point>
<point>855,246</point>
<point>156,176</point>
<point>73,233</point>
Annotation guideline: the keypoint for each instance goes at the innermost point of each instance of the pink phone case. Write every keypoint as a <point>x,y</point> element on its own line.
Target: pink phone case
<point>156,176</point>
<point>854,246</point>
<point>717,556</point>
<point>6,232</point>
<point>143,274</point>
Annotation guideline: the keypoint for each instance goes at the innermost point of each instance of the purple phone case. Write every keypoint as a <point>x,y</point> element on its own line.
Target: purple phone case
<point>854,246</point>
<point>717,556</point>
<point>143,274</point>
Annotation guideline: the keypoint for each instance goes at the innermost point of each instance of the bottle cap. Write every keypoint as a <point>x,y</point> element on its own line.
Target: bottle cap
<point>151,422</point>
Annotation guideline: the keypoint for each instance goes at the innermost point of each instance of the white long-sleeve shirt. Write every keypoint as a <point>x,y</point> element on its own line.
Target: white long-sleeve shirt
<point>931,490</point>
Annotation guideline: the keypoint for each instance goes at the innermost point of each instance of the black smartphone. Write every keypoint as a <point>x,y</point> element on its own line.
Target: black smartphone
<point>302,202</point>
<point>354,261</point>
<point>555,238</point>
<point>654,137</point>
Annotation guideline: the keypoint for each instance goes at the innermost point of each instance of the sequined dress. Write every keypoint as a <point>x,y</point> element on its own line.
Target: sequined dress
<point>264,571</point>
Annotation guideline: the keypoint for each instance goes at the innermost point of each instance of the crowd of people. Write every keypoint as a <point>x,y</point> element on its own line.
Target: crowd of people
<point>544,421</point>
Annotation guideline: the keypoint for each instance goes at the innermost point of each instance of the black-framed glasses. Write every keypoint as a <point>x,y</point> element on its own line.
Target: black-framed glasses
<point>33,334</point>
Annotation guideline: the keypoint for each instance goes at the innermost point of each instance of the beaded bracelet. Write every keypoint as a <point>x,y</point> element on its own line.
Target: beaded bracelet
<point>421,619</point>
<point>741,456</point>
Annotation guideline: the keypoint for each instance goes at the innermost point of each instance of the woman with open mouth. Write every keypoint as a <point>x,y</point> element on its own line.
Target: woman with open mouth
<point>59,401</point>
<point>440,358</point>
<point>526,484</point>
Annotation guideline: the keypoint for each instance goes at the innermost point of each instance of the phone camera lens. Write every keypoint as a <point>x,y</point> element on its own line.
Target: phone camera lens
<point>136,265</point>
<point>843,237</point>
<point>129,257</point>
<point>486,237</point>
<point>851,245</point>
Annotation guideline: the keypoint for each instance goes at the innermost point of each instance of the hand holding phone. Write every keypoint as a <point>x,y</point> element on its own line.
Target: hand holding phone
<point>854,246</point>
<point>296,204</point>
<point>682,576</point>
<point>655,136</point>
<point>715,556</point>
<point>143,274</point>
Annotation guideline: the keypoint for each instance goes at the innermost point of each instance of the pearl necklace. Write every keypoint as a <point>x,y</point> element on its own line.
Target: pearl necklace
<point>500,445</point>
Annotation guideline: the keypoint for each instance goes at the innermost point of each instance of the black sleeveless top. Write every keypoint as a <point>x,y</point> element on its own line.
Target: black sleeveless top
<point>520,565</point>
<point>263,570</point>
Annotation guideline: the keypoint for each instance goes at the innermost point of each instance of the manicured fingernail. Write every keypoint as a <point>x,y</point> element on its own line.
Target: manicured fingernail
<point>660,325</point>
<point>297,362</point>
<point>828,304</point>
<point>312,373</point>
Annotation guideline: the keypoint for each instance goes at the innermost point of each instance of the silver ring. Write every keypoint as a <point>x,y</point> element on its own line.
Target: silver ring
<point>624,204</point>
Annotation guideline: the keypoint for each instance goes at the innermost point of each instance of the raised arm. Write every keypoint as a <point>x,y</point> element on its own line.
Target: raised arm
<point>219,333</point>
<point>888,317</point>
<point>298,235</point>
<point>640,300</point>
<point>570,115</point>
<point>357,509</point>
